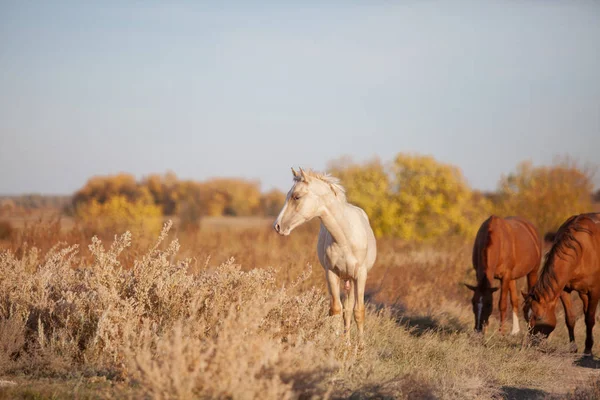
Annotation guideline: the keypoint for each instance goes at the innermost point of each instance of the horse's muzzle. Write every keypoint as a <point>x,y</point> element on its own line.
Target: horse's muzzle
<point>279,230</point>
<point>543,329</point>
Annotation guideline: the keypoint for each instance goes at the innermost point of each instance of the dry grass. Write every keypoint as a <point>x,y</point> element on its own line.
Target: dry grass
<point>238,312</point>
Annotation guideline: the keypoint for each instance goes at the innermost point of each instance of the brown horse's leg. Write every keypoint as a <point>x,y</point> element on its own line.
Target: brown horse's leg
<point>565,298</point>
<point>502,305</point>
<point>590,320</point>
<point>514,300</point>
<point>348,308</point>
<point>584,300</point>
<point>359,306</point>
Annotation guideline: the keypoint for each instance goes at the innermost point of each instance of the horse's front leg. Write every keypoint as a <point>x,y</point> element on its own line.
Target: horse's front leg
<point>514,300</point>
<point>565,299</point>
<point>503,303</point>
<point>359,306</point>
<point>333,286</point>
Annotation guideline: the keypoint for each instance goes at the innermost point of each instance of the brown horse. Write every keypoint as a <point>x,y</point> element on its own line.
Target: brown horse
<point>506,249</point>
<point>573,263</point>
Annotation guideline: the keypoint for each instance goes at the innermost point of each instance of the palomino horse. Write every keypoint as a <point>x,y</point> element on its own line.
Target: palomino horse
<point>573,263</point>
<point>346,246</point>
<point>506,249</point>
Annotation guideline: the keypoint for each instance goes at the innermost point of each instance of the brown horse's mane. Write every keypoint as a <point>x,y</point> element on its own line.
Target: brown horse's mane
<point>563,241</point>
<point>487,242</point>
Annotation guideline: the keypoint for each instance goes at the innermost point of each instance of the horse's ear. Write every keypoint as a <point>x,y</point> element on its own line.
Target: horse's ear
<point>494,289</point>
<point>303,175</point>
<point>470,287</point>
<point>294,172</point>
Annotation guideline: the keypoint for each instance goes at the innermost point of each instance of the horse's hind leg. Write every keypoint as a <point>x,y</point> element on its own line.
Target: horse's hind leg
<point>565,299</point>
<point>348,306</point>
<point>590,320</point>
<point>514,299</point>
<point>359,305</point>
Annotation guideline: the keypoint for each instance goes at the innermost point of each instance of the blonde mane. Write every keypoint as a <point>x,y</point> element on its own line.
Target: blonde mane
<point>332,181</point>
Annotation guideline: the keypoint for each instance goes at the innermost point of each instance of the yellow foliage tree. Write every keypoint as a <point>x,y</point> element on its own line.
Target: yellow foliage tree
<point>546,195</point>
<point>164,191</point>
<point>240,197</point>
<point>416,198</point>
<point>103,188</point>
<point>118,214</point>
<point>434,199</point>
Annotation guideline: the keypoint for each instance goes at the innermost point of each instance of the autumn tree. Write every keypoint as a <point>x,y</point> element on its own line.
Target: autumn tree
<point>241,197</point>
<point>415,197</point>
<point>116,203</point>
<point>119,214</point>
<point>434,199</point>
<point>547,195</point>
<point>272,202</point>
<point>103,188</point>
<point>164,191</point>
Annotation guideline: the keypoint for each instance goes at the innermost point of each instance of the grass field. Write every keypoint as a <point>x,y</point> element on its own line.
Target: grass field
<point>232,310</point>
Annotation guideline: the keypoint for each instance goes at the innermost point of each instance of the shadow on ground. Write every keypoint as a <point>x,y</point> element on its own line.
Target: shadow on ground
<point>517,393</point>
<point>417,324</point>
<point>409,387</point>
<point>588,362</point>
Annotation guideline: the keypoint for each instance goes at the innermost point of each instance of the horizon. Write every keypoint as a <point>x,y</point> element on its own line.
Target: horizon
<point>242,90</point>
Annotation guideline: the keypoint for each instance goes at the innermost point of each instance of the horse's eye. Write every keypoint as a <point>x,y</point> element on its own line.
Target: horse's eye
<point>296,197</point>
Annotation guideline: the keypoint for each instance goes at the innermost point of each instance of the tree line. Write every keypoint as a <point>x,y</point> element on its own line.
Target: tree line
<point>413,196</point>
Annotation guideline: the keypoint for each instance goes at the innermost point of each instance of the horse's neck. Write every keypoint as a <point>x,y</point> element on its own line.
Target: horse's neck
<point>562,269</point>
<point>335,221</point>
<point>485,274</point>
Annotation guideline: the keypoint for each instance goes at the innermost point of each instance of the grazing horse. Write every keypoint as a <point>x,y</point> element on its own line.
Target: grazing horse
<point>346,246</point>
<point>505,249</point>
<point>573,263</point>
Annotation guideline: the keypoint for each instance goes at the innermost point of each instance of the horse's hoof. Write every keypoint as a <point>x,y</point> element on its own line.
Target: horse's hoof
<point>572,348</point>
<point>587,353</point>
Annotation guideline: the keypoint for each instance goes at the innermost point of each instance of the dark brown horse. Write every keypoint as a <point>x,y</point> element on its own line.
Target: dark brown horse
<point>573,263</point>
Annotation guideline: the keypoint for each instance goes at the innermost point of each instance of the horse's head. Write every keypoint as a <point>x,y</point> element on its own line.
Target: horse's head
<point>539,314</point>
<point>305,200</point>
<point>482,304</point>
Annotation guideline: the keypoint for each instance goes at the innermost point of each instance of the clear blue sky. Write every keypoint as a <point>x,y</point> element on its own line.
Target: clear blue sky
<point>251,88</point>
